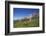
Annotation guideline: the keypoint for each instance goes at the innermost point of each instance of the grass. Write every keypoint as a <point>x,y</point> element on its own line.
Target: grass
<point>26,23</point>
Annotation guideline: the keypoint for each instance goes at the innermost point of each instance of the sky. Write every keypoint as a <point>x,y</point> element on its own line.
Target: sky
<point>18,13</point>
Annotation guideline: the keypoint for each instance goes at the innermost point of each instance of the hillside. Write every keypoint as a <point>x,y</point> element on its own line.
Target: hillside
<point>28,21</point>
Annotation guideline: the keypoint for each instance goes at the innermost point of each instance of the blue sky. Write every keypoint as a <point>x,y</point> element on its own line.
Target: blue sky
<point>21,12</point>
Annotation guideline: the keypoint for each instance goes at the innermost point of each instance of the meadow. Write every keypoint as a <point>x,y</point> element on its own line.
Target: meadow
<point>26,23</point>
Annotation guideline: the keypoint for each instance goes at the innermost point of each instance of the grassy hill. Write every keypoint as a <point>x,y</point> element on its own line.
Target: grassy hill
<point>26,23</point>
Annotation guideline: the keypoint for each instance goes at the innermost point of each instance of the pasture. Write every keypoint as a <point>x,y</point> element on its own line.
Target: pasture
<point>26,23</point>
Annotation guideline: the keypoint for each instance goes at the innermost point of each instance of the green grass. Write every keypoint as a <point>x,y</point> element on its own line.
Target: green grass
<point>32,23</point>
